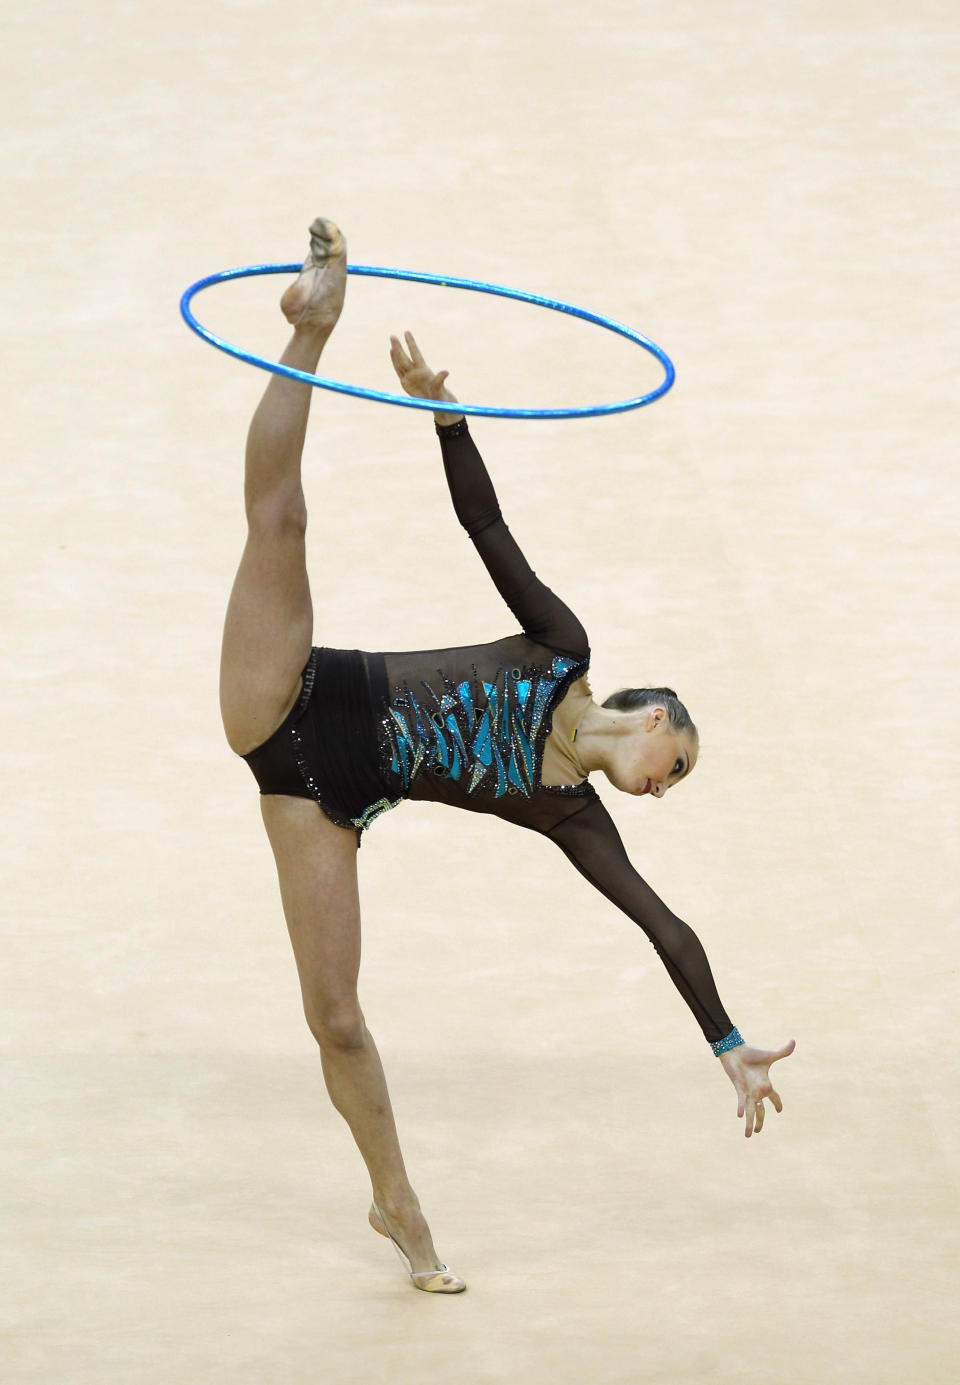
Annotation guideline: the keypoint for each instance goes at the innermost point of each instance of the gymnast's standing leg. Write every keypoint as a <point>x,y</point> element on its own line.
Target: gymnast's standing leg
<point>266,643</point>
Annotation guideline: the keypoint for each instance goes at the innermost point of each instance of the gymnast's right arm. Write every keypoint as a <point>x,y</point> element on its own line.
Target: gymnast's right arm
<point>590,841</point>
<point>540,612</point>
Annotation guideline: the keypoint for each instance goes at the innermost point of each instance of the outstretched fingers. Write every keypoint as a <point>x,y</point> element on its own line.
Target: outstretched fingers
<point>413,348</point>
<point>753,1109</point>
<point>416,377</point>
<point>401,361</point>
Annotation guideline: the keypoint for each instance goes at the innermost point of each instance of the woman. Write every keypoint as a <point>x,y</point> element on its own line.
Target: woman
<point>335,737</point>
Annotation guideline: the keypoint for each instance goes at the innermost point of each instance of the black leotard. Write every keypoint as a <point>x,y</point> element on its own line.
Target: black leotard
<point>467,726</point>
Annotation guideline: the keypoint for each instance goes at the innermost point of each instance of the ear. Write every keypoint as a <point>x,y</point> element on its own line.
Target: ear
<point>654,716</point>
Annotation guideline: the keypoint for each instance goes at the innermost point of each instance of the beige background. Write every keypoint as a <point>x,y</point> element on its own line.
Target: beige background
<point>770,192</point>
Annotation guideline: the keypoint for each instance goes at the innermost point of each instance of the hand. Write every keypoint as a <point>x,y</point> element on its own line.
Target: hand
<point>418,380</point>
<point>749,1071</point>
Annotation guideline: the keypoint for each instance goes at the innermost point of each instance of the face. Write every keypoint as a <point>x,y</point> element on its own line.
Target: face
<point>655,757</point>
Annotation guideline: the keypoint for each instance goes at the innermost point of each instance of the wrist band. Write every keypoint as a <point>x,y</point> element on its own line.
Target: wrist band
<point>452,430</point>
<point>733,1040</point>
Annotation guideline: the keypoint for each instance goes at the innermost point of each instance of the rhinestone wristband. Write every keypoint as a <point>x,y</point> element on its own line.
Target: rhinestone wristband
<point>733,1040</point>
<point>452,430</point>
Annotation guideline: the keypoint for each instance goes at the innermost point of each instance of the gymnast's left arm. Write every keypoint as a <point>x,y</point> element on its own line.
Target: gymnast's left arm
<point>590,840</point>
<point>541,614</point>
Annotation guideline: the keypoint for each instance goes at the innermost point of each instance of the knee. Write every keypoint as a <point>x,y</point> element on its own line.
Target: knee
<point>278,517</point>
<point>336,1027</point>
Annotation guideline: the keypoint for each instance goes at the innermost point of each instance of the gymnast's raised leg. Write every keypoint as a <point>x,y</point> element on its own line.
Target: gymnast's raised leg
<point>266,643</point>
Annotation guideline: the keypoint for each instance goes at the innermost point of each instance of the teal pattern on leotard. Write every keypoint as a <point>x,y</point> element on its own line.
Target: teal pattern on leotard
<point>483,734</point>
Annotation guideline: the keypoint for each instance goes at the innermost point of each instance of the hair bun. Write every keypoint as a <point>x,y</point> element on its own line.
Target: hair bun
<point>633,699</point>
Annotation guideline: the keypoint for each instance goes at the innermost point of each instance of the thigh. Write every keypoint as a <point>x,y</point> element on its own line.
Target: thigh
<point>317,868</point>
<point>267,635</point>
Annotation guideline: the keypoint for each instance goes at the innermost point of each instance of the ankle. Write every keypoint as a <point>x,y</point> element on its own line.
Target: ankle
<point>318,333</point>
<point>308,341</point>
<point>398,1203</point>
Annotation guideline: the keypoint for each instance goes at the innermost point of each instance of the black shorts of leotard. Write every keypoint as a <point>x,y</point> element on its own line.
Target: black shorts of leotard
<point>326,747</point>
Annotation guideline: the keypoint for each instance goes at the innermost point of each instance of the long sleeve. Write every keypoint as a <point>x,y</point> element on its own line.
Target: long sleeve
<point>542,615</point>
<point>591,841</point>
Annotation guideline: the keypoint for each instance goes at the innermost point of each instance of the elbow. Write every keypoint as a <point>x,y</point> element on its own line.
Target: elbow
<point>476,523</point>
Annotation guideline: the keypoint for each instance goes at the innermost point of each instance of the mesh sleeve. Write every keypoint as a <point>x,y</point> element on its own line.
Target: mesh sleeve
<point>542,615</point>
<point>591,841</point>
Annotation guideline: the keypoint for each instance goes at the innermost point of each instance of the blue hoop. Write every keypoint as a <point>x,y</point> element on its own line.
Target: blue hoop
<point>446,281</point>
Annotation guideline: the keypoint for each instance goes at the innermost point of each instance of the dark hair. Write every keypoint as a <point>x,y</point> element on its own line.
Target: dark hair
<point>632,699</point>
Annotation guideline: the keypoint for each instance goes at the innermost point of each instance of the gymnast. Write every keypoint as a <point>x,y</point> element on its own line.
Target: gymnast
<point>336,737</point>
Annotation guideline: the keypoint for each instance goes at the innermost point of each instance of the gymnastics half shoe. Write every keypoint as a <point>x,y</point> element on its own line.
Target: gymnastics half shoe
<point>441,1281</point>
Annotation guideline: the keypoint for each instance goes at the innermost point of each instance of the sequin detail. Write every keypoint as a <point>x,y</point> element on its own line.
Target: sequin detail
<point>733,1040</point>
<point>309,678</point>
<point>375,810</point>
<point>485,735</point>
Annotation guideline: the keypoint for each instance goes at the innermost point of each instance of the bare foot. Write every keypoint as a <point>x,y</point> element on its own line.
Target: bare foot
<point>410,1233</point>
<point>314,300</point>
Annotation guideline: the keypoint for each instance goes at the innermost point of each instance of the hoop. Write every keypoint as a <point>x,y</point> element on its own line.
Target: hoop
<point>445,281</point>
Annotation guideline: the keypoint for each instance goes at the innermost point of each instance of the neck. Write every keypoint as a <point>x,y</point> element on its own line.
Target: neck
<point>598,735</point>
